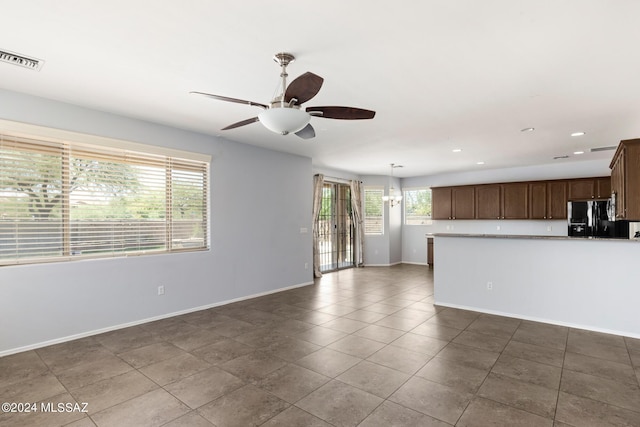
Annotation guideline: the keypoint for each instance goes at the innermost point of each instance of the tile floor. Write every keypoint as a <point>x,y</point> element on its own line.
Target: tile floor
<point>362,347</point>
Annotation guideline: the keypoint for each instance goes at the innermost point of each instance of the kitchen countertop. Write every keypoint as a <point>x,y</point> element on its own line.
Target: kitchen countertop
<point>521,236</point>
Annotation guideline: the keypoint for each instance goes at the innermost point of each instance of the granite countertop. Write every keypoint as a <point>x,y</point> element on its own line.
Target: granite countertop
<point>521,236</point>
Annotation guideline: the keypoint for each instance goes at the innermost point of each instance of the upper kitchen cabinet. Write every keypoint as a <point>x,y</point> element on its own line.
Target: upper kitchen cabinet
<point>603,187</point>
<point>441,203</point>
<point>548,200</point>
<point>502,201</point>
<point>625,179</point>
<point>538,200</point>
<point>590,188</point>
<point>515,200</point>
<point>488,201</point>
<point>518,200</point>
<point>463,202</point>
<point>557,199</point>
<point>453,202</point>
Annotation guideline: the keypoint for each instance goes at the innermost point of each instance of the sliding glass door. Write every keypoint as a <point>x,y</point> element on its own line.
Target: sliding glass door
<point>336,228</point>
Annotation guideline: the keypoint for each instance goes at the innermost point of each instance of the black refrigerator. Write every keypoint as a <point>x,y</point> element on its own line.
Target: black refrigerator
<point>595,218</point>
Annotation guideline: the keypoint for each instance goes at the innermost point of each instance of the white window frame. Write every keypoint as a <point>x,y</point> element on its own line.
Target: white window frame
<point>374,230</point>
<point>178,167</point>
<point>407,218</point>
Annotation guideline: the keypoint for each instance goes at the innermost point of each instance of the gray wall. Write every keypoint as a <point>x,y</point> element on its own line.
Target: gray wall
<point>259,201</point>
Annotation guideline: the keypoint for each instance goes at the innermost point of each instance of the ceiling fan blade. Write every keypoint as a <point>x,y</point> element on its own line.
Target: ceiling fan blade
<point>236,100</point>
<point>342,113</point>
<point>242,123</point>
<point>303,88</point>
<point>307,132</point>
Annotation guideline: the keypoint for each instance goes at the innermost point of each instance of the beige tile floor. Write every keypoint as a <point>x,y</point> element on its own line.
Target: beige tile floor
<point>363,347</point>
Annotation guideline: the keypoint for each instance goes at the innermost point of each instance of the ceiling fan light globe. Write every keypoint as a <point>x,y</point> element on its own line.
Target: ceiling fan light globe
<point>284,120</point>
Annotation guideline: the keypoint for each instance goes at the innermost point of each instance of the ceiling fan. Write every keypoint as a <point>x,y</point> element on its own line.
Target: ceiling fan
<point>284,114</point>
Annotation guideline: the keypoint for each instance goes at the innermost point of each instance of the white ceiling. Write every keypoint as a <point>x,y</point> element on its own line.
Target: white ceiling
<point>441,74</point>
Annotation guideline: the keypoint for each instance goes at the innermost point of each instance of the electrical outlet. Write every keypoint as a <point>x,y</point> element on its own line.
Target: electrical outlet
<point>489,286</point>
<point>306,265</point>
<point>549,228</point>
<point>498,227</point>
<point>160,290</point>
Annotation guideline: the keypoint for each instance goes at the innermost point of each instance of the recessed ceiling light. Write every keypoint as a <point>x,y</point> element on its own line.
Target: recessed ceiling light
<point>457,150</point>
<point>480,163</point>
<point>578,152</point>
<point>577,134</point>
<point>527,130</point>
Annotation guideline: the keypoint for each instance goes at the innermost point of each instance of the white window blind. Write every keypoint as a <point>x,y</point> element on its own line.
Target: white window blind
<point>373,211</point>
<point>417,206</point>
<point>66,200</point>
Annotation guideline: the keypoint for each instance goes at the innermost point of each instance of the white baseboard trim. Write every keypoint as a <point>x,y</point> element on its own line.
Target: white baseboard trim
<point>541,320</point>
<point>142,321</point>
<point>414,263</point>
<point>383,265</point>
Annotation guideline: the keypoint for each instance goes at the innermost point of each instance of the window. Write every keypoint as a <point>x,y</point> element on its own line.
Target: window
<point>417,206</point>
<point>63,200</point>
<point>373,210</point>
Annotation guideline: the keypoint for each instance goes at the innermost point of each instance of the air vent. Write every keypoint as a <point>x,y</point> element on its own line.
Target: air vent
<point>21,60</point>
<point>560,157</point>
<point>595,150</point>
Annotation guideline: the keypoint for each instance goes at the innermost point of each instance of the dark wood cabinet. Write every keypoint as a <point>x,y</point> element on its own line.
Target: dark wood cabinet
<point>590,188</point>
<point>581,189</point>
<point>603,188</point>
<point>538,200</point>
<point>515,200</point>
<point>502,201</point>
<point>430,251</point>
<point>625,179</point>
<point>463,202</point>
<point>557,200</point>
<point>489,201</point>
<point>441,203</point>
<point>453,202</point>
<point>521,200</point>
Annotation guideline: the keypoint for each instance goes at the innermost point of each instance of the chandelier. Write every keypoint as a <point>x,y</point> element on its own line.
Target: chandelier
<point>393,198</point>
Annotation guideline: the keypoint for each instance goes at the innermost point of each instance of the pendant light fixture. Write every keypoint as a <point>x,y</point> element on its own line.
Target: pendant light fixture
<point>393,199</point>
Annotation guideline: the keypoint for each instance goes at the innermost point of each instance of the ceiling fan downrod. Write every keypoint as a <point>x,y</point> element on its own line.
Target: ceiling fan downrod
<point>284,59</point>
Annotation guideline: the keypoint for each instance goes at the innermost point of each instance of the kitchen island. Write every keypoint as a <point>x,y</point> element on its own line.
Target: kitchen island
<point>579,282</point>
